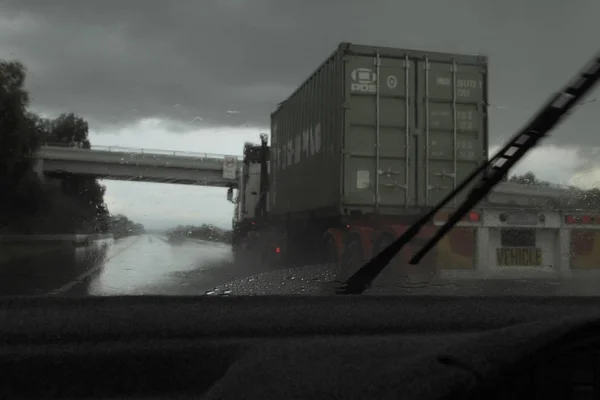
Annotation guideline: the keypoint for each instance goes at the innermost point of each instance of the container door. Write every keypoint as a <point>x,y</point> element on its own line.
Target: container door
<point>378,146</point>
<point>451,126</point>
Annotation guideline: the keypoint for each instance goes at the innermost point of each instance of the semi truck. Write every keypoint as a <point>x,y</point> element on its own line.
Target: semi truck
<point>374,138</point>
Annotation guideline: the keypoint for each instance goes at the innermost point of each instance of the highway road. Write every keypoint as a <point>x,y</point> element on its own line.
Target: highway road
<point>138,265</point>
<point>149,265</point>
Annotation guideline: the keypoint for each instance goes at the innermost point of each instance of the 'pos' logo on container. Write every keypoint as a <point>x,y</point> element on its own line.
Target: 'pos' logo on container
<point>363,80</point>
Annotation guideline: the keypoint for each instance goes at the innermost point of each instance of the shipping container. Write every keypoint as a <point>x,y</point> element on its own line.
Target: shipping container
<point>379,130</point>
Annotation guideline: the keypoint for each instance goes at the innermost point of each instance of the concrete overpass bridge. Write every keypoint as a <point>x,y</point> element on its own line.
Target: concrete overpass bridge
<point>141,165</point>
<point>218,170</point>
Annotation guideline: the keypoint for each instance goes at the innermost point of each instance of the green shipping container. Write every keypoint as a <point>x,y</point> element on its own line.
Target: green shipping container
<point>379,130</point>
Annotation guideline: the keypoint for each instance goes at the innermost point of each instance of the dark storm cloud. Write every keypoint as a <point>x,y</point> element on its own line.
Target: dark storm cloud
<point>194,61</point>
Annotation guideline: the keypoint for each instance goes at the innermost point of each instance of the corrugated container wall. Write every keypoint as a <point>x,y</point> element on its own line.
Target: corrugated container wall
<point>379,130</point>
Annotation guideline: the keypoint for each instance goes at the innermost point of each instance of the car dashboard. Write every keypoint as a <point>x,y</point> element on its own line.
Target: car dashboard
<point>418,347</point>
<point>573,374</point>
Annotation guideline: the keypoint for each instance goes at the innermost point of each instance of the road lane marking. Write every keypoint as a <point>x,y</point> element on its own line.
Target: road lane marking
<point>89,272</point>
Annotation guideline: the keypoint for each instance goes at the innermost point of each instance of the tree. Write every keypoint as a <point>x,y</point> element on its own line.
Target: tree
<point>69,129</point>
<point>19,186</point>
<point>72,130</point>
<point>576,199</point>
<point>527,178</point>
<point>18,139</point>
<point>203,232</point>
<point>121,226</point>
<point>27,205</point>
<point>89,195</point>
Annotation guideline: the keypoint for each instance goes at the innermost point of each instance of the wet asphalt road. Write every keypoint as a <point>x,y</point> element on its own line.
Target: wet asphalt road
<point>149,265</point>
<point>322,280</point>
<point>137,265</point>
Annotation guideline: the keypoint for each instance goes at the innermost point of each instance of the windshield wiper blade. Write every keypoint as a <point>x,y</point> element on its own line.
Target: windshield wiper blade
<point>491,174</point>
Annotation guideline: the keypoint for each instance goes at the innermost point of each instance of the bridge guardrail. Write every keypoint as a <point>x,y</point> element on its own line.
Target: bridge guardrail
<point>130,150</point>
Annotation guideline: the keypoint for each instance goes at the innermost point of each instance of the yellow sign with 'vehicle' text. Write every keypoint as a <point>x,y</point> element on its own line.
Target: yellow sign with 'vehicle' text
<point>518,256</point>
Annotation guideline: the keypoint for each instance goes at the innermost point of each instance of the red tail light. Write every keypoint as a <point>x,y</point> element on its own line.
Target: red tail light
<point>277,250</point>
<point>473,216</point>
<point>581,219</point>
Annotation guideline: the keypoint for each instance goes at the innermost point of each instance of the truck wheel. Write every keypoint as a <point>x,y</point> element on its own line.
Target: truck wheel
<point>390,273</point>
<point>329,253</point>
<point>352,259</point>
<point>269,260</point>
<point>242,258</point>
<point>399,271</point>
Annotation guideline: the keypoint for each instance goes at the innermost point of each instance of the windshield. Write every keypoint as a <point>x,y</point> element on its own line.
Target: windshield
<point>237,147</point>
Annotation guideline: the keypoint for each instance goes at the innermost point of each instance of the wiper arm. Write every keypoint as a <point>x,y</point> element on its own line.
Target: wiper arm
<point>493,170</point>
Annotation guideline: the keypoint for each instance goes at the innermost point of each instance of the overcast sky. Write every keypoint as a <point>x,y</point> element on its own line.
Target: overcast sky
<point>158,74</point>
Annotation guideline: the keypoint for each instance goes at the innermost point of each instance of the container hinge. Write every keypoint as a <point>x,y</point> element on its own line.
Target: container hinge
<point>345,105</point>
<point>389,172</point>
<point>405,64</point>
<point>445,174</point>
<point>483,107</point>
<point>438,187</point>
<point>395,185</point>
<point>454,67</point>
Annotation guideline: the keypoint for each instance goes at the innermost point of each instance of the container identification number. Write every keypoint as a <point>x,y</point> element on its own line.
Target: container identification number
<point>463,86</point>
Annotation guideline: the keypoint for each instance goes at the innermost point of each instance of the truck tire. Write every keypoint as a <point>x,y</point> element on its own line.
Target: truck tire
<point>329,252</point>
<point>390,273</point>
<point>399,271</point>
<point>352,258</point>
<point>241,257</point>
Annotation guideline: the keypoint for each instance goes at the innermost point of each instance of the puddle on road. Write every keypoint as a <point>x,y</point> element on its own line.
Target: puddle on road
<point>162,268</point>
